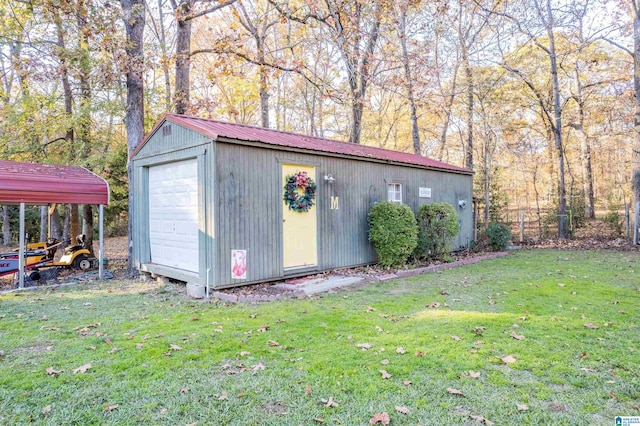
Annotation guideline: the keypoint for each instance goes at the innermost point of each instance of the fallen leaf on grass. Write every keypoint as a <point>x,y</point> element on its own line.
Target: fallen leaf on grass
<point>52,371</point>
<point>480,419</point>
<point>382,418</point>
<point>175,347</point>
<point>385,375</point>
<point>472,375</point>
<point>263,329</point>
<point>433,305</point>
<point>364,346</point>
<point>379,329</point>
<point>318,419</point>
<point>401,409</point>
<point>184,390</point>
<point>508,359</point>
<point>516,336</point>
<point>46,410</point>
<point>613,395</point>
<point>82,369</point>
<point>384,362</point>
<point>329,402</point>
<point>307,390</point>
<point>245,353</point>
<point>591,326</point>
<point>453,391</point>
<point>401,351</point>
<point>139,345</point>
<point>407,382</point>
<point>258,366</point>
<point>456,338</point>
<point>224,396</point>
<point>419,353</point>
<point>273,343</point>
<point>163,411</point>
<point>111,407</point>
<point>108,341</point>
<point>522,407</point>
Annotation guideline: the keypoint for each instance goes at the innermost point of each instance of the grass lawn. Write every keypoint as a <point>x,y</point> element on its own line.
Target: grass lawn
<point>125,352</point>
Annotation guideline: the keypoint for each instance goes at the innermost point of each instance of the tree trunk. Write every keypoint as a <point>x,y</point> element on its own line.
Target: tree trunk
<point>83,139</point>
<point>6,226</point>
<point>487,184</point>
<point>165,59</point>
<point>557,128</point>
<point>87,227</point>
<point>183,56</point>
<point>401,26</point>
<point>74,222</point>
<point>468,148</point>
<point>66,85</point>
<point>44,219</point>
<point>66,223</point>
<point>133,17</point>
<point>264,88</point>
<point>635,150</point>
<point>56,232</point>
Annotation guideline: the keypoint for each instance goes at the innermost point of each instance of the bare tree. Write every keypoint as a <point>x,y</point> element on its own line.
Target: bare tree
<point>133,17</point>
<point>544,20</point>
<point>185,12</point>
<point>354,28</point>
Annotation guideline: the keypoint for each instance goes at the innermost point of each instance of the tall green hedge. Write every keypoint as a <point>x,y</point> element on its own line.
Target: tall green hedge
<point>437,225</point>
<point>393,232</point>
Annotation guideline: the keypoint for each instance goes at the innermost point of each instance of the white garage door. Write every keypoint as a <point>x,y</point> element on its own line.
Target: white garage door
<point>173,214</point>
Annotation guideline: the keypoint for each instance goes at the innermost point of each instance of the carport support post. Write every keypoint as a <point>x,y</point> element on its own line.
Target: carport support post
<point>101,249</point>
<point>21,249</point>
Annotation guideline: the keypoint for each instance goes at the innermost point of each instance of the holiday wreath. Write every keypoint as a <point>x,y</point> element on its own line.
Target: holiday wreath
<point>299,202</point>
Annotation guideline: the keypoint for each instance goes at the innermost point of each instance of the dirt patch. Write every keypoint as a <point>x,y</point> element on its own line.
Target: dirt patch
<point>276,407</point>
<point>557,407</point>
<point>34,349</point>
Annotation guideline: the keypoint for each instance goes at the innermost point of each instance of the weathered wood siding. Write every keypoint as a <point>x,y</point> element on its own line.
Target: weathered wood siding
<point>249,206</point>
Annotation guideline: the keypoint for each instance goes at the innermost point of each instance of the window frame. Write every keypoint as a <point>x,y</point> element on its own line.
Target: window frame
<point>396,191</point>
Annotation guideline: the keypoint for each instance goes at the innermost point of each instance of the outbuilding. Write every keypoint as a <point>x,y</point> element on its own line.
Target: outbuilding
<point>220,205</point>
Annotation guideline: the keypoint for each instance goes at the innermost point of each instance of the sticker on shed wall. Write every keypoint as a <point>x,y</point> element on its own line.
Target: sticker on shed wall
<point>239,264</point>
<point>424,192</point>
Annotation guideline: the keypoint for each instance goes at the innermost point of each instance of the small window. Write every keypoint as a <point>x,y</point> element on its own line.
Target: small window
<point>394,192</point>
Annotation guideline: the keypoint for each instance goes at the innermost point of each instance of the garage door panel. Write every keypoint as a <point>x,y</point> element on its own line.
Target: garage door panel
<point>173,215</point>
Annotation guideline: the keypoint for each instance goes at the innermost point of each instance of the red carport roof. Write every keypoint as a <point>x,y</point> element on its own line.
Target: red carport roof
<point>216,129</point>
<point>33,183</point>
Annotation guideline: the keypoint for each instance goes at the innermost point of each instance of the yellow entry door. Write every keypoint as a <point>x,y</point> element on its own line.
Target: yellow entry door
<point>299,229</point>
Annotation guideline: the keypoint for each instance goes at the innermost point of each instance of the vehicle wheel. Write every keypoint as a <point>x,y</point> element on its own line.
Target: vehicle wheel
<point>82,262</point>
<point>34,275</point>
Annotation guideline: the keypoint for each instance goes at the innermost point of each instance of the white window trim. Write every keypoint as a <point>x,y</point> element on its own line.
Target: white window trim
<point>397,190</point>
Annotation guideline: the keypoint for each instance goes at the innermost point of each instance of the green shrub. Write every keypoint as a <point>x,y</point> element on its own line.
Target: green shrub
<point>393,232</point>
<point>497,236</point>
<point>614,221</point>
<point>437,225</point>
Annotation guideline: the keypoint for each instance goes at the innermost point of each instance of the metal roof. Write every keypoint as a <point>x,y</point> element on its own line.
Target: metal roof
<point>220,129</point>
<point>33,183</point>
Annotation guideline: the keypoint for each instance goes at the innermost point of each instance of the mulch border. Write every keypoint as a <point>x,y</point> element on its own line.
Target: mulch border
<point>232,298</point>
